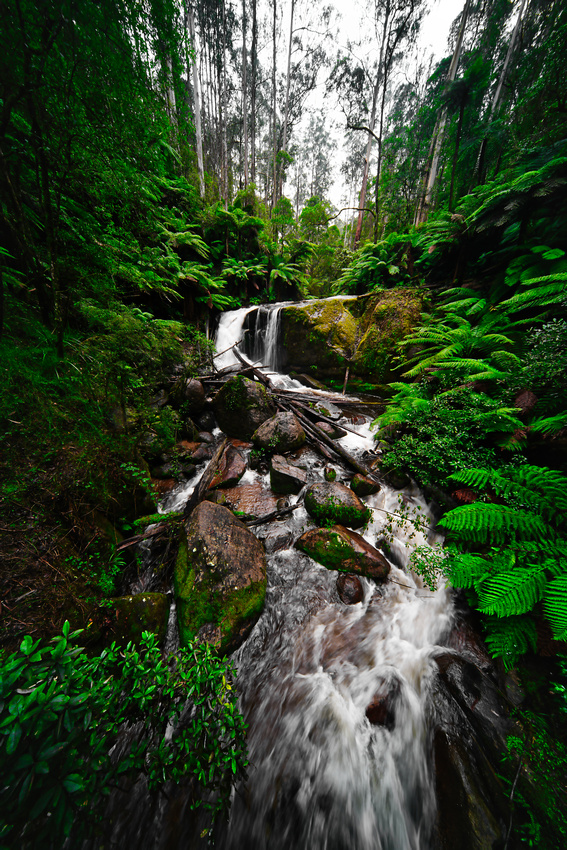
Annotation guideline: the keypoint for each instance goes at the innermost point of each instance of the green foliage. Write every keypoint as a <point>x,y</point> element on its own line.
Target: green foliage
<point>62,712</point>
<point>513,554</point>
<point>440,435</point>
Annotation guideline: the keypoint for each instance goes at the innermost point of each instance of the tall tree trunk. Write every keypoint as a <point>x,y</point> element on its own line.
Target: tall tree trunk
<point>287,88</point>
<point>498,93</point>
<point>431,177</point>
<point>274,103</point>
<point>244,93</point>
<point>456,152</point>
<point>190,21</point>
<point>253,84</point>
<point>223,111</point>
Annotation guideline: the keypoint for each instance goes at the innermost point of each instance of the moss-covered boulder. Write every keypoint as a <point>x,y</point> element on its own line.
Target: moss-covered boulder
<point>220,578</point>
<point>142,612</point>
<point>330,502</point>
<point>363,486</point>
<point>241,406</point>
<point>323,336</point>
<point>338,548</point>
<point>281,433</point>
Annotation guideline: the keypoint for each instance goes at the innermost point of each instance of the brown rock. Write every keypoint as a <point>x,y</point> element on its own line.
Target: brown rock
<point>231,467</point>
<point>220,577</point>
<point>349,588</point>
<point>284,477</point>
<point>381,710</point>
<point>338,548</point>
<point>241,406</point>
<point>250,500</point>
<point>364,486</point>
<point>332,431</point>
<point>281,433</point>
<point>331,501</point>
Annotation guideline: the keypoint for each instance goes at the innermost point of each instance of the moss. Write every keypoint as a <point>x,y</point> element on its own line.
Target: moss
<point>333,512</point>
<point>332,552</point>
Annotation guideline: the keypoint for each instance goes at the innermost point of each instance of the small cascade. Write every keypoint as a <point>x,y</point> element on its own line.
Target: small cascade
<point>261,339</point>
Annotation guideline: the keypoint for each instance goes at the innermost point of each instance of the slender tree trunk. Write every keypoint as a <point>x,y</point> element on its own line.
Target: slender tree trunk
<point>190,21</point>
<point>253,90</point>
<point>498,93</point>
<point>431,177</point>
<point>274,102</point>
<point>244,93</point>
<point>287,88</point>
<point>223,109</point>
<point>456,152</point>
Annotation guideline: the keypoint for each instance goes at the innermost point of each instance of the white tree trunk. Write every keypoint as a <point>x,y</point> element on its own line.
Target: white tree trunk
<point>190,19</point>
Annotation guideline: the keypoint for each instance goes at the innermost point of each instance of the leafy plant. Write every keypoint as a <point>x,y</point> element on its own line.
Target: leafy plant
<point>511,551</point>
<point>61,713</point>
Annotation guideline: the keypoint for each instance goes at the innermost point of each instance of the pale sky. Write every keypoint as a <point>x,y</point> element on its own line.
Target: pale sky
<point>433,39</point>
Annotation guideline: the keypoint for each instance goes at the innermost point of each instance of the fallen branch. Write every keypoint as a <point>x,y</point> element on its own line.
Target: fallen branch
<point>200,490</point>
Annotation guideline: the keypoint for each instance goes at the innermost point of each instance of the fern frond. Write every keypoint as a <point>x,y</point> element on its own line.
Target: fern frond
<point>534,486</point>
<point>555,606</point>
<point>513,592</point>
<point>550,424</point>
<point>508,639</point>
<point>464,569</point>
<point>489,523</point>
<point>553,292</point>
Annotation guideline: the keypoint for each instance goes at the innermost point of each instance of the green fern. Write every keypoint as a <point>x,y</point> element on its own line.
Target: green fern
<point>513,592</point>
<point>555,606</point>
<point>550,289</point>
<point>510,638</point>
<point>484,522</point>
<point>532,486</point>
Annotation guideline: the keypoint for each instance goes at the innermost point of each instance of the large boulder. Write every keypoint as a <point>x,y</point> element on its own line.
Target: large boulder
<point>230,468</point>
<point>338,548</point>
<point>281,433</point>
<point>220,578</point>
<point>285,477</point>
<point>241,406</point>
<point>325,335</point>
<point>329,501</point>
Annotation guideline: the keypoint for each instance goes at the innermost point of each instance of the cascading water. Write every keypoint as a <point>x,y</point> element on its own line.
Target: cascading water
<point>322,776</point>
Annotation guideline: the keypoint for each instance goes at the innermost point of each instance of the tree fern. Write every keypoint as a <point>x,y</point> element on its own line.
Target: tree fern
<point>555,606</point>
<point>510,638</point>
<point>484,522</point>
<point>543,292</point>
<point>533,486</point>
<point>513,592</point>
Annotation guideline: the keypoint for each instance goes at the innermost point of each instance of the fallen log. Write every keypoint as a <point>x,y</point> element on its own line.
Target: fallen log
<point>200,490</point>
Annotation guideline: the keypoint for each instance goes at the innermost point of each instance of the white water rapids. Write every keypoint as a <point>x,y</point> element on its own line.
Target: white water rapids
<point>321,776</point>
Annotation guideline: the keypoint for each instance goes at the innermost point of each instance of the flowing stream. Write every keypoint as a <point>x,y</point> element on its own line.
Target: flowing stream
<point>321,775</point>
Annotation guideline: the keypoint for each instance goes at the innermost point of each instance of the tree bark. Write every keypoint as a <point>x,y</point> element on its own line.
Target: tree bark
<point>253,90</point>
<point>287,88</point>
<point>244,93</point>
<point>190,20</point>
<point>431,176</point>
<point>274,102</point>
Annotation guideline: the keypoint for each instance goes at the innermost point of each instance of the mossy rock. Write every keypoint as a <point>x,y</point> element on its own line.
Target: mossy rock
<point>330,502</point>
<point>338,548</point>
<point>241,406</point>
<point>142,612</point>
<point>281,433</point>
<point>220,578</point>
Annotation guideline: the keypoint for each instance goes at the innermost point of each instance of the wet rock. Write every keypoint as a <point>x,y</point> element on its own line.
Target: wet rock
<point>216,496</point>
<point>143,612</point>
<point>190,393</point>
<point>206,437</point>
<point>349,588</point>
<point>230,469</point>
<point>381,709</point>
<point>198,452</point>
<point>338,548</point>
<point>161,486</point>
<point>284,477</point>
<point>330,473</point>
<point>189,430</point>
<point>250,501</point>
<point>241,406</point>
<point>220,577</point>
<point>206,421</point>
<point>331,501</point>
<point>277,539</point>
<point>363,486</point>
<point>328,409</point>
<point>281,433</point>
<point>308,381</point>
<point>472,811</point>
<point>332,431</point>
